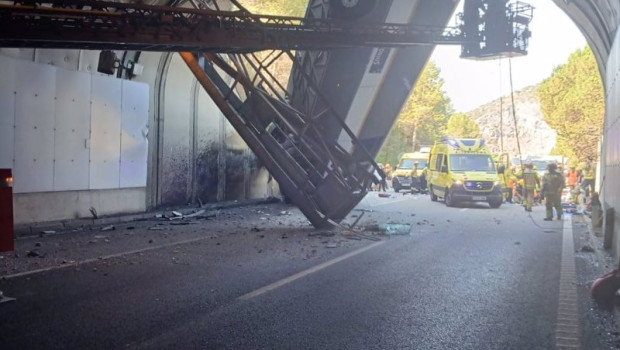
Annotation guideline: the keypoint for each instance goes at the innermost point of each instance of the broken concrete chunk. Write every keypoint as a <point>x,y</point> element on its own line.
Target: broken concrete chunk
<point>108,228</point>
<point>176,213</point>
<point>48,232</point>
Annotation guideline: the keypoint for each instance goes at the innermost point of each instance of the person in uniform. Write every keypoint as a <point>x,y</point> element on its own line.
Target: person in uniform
<point>553,184</point>
<point>531,181</point>
<point>588,176</point>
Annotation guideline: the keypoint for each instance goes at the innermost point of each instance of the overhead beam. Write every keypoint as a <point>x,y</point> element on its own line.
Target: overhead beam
<point>111,25</point>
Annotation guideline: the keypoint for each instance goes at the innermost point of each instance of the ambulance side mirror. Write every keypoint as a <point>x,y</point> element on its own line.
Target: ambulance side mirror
<point>501,169</point>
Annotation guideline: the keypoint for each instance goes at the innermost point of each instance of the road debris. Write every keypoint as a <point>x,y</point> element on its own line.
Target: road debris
<point>176,213</point>
<point>322,234</point>
<point>587,248</point>
<point>108,228</point>
<point>198,213</point>
<point>48,232</point>
<point>357,220</point>
<point>34,254</point>
<point>395,229</point>
<point>93,212</point>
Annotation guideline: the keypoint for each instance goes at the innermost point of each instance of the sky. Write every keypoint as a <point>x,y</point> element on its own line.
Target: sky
<point>470,84</point>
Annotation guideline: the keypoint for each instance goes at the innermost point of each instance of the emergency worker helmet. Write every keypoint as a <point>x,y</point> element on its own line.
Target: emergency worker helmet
<point>552,166</point>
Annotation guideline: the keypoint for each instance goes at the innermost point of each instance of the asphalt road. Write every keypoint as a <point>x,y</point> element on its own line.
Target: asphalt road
<point>469,277</point>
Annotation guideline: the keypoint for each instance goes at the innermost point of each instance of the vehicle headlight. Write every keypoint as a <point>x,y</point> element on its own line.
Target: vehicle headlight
<point>457,182</point>
<point>497,183</point>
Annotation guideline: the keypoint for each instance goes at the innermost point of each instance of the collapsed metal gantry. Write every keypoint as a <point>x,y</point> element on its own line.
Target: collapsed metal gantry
<point>322,178</point>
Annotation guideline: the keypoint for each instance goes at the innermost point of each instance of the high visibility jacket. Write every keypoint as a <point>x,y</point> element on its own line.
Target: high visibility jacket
<point>589,174</point>
<point>573,177</point>
<point>553,183</point>
<point>530,179</point>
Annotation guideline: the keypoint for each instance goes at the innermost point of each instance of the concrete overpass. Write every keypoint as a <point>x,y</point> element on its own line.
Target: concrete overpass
<point>78,139</point>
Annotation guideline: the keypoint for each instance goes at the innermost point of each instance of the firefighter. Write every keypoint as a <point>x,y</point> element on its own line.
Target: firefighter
<point>423,181</point>
<point>531,181</point>
<point>588,177</point>
<point>415,179</point>
<point>553,184</point>
<point>572,177</point>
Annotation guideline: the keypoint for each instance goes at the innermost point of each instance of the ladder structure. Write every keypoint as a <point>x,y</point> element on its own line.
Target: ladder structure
<point>221,48</point>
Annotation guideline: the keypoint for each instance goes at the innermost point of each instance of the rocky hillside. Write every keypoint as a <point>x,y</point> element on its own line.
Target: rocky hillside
<point>535,136</point>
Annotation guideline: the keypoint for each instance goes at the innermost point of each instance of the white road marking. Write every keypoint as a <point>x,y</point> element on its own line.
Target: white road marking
<point>305,273</point>
<point>567,326</point>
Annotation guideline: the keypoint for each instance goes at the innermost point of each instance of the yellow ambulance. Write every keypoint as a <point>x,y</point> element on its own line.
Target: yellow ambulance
<point>402,178</point>
<point>462,170</point>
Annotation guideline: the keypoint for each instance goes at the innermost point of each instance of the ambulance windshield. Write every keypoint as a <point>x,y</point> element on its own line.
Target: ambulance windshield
<point>472,162</point>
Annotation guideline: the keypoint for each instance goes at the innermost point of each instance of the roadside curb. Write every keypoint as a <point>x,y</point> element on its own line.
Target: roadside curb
<point>35,229</point>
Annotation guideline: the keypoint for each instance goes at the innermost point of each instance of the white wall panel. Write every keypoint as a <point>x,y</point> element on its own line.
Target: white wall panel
<point>34,128</point>
<point>71,153</point>
<point>89,60</point>
<point>105,132</point>
<point>67,59</point>
<point>134,145</point>
<point>7,112</point>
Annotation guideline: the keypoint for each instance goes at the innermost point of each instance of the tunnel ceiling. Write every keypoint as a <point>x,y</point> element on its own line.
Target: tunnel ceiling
<point>598,21</point>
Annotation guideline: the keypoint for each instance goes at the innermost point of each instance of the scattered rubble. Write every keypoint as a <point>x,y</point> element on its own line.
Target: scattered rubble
<point>108,228</point>
<point>587,248</point>
<point>322,234</point>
